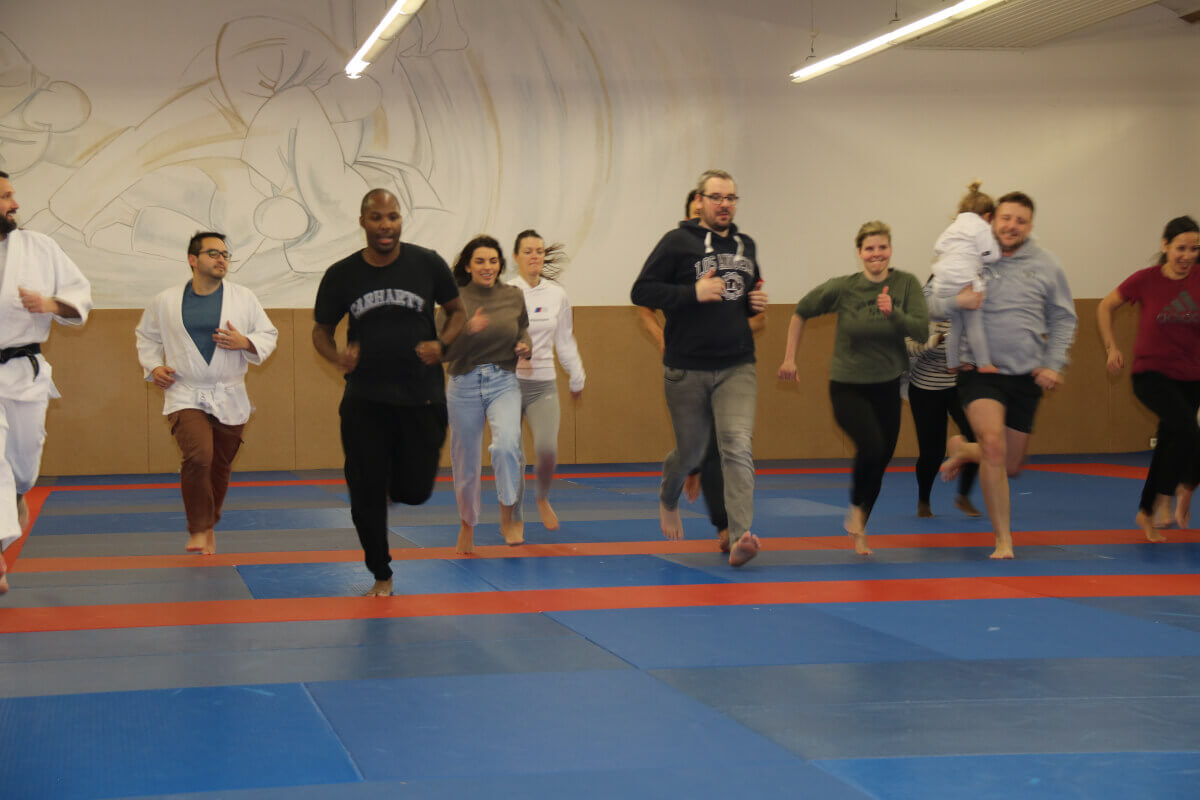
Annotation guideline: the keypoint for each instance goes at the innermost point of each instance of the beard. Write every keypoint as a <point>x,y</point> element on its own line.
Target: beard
<point>8,224</point>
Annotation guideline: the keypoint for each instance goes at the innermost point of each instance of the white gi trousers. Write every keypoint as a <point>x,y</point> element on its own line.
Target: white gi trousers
<point>22,436</point>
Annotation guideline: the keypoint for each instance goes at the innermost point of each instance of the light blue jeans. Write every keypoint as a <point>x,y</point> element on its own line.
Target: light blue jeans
<point>488,394</point>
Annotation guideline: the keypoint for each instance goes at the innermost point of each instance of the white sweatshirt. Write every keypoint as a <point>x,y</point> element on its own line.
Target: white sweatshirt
<point>550,328</point>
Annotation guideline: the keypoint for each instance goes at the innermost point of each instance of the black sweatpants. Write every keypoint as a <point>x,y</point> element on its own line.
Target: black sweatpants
<point>1177,455</point>
<point>869,413</point>
<point>930,407</point>
<point>392,453</point>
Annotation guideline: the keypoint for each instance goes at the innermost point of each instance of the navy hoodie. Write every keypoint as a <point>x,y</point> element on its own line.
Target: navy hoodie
<point>707,336</point>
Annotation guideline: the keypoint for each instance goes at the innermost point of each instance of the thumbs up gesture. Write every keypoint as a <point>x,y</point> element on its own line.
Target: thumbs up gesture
<point>710,288</point>
<point>884,301</point>
<point>477,322</point>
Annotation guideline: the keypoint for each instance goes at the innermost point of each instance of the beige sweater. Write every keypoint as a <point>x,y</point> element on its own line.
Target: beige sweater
<point>508,324</point>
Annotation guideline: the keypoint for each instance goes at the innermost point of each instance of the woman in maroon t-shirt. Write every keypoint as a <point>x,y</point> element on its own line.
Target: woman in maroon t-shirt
<point>1166,366</point>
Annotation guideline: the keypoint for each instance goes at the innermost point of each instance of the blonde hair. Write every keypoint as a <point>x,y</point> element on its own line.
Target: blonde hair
<point>872,228</point>
<point>712,173</point>
<point>975,201</point>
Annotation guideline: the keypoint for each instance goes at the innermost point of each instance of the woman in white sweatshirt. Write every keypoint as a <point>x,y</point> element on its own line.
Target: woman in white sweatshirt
<point>550,328</point>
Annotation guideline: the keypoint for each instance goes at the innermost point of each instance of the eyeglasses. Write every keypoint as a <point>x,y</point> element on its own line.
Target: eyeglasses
<point>225,254</point>
<point>722,198</point>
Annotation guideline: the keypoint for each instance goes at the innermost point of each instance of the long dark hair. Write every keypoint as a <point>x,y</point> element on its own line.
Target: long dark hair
<point>555,260</point>
<point>461,276</point>
<point>1177,227</point>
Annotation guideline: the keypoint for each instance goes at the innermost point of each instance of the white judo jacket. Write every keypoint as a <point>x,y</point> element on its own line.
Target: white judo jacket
<point>36,262</point>
<point>218,387</point>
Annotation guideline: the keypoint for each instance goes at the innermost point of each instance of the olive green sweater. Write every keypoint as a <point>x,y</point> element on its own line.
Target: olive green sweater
<point>508,324</point>
<point>869,346</point>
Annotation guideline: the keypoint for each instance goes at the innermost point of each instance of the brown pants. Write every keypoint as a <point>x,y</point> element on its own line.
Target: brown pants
<point>208,448</point>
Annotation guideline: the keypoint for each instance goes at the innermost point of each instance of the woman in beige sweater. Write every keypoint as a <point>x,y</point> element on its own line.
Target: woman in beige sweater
<point>483,388</point>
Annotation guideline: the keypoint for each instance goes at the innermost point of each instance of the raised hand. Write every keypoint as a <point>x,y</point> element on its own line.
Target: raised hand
<point>884,301</point>
<point>478,321</point>
<point>710,288</point>
<point>230,338</point>
<point>758,299</point>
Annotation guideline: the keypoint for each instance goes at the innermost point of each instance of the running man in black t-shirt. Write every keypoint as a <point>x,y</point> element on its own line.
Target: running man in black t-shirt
<point>394,408</point>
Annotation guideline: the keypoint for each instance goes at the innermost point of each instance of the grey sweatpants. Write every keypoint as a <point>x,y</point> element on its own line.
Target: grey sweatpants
<point>539,408</point>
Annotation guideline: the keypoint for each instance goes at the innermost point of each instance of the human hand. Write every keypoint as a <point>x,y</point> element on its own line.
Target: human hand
<point>36,303</point>
<point>884,302</point>
<point>348,358</point>
<point>788,372</point>
<point>429,352</point>
<point>522,350</point>
<point>1046,378</point>
<point>710,288</point>
<point>163,376</point>
<point>1115,360</point>
<point>477,322</point>
<point>230,338</point>
<point>969,299</point>
<point>758,299</point>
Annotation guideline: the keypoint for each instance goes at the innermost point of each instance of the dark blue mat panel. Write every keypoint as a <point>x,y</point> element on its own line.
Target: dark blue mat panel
<point>707,636</point>
<point>718,780</point>
<point>1089,776</point>
<point>136,743</point>
<point>1030,628</point>
<point>1182,612</point>
<point>342,579</point>
<point>175,521</point>
<point>59,502</point>
<point>917,682</point>
<point>514,724</point>
<point>511,574</point>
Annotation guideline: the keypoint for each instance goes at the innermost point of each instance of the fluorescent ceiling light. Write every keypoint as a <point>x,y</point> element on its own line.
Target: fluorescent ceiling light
<point>388,29</point>
<point>954,13</point>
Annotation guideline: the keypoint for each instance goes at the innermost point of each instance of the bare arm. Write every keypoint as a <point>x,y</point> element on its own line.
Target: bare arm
<point>787,370</point>
<point>345,360</point>
<point>649,319</point>
<point>1104,312</point>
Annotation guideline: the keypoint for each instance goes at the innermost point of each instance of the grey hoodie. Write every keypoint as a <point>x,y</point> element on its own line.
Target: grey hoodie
<point>1028,313</point>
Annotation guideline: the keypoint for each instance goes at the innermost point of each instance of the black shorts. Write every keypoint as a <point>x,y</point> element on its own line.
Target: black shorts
<point>1019,394</point>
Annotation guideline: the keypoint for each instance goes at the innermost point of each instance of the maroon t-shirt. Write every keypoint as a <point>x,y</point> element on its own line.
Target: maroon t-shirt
<point>1168,338</point>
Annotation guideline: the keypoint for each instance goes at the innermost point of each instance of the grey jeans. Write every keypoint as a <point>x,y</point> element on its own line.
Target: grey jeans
<point>699,401</point>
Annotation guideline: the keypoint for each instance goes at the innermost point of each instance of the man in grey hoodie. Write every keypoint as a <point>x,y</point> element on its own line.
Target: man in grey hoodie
<point>1029,319</point>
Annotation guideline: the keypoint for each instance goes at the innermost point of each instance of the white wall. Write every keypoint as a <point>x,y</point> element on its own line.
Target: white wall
<point>589,121</point>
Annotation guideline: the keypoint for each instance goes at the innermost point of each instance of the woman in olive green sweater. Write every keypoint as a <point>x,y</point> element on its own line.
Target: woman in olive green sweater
<point>876,307</point>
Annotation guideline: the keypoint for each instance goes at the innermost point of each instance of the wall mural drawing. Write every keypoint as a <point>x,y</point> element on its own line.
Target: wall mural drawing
<point>266,139</point>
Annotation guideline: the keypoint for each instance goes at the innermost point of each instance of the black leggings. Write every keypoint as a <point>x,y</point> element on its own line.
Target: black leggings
<point>1177,454</point>
<point>929,410</point>
<point>869,413</point>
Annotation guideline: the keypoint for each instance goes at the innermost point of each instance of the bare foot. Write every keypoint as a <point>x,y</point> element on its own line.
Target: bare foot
<point>691,487</point>
<point>923,509</point>
<point>3,574</point>
<point>1183,506</point>
<point>723,540</point>
<point>672,525</point>
<point>513,530</point>
<point>746,548</point>
<point>964,504</point>
<point>466,539</point>
<point>380,589</point>
<point>196,542</point>
<point>22,513</point>
<point>210,542</point>
<point>954,458</point>
<point>1004,547</point>
<point>856,528</point>
<point>1145,522</point>
<point>1163,518</point>
<point>988,369</point>
<point>549,518</point>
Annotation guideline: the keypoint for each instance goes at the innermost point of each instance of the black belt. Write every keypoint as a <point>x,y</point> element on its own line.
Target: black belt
<point>30,351</point>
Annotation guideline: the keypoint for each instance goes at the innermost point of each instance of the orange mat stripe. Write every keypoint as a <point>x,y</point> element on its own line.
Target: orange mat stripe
<point>227,612</point>
<point>663,547</point>
<point>1097,470</point>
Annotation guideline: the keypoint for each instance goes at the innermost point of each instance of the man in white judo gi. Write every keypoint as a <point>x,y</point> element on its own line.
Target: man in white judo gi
<point>38,284</point>
<point>195,342</point>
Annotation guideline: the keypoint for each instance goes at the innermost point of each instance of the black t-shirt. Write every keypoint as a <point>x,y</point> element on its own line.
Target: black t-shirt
<point>391,309</point>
